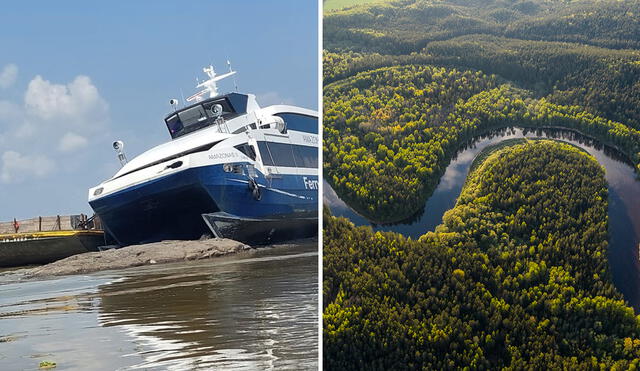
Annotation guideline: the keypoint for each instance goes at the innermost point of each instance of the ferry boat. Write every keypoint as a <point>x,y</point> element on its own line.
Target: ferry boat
<point>232,169</point>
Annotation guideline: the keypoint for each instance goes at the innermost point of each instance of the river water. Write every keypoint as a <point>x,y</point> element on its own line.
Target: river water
<point>254,310</point>
<point>624,201</point>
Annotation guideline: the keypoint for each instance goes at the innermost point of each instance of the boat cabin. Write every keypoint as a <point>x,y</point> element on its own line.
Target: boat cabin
<point>209,112</point>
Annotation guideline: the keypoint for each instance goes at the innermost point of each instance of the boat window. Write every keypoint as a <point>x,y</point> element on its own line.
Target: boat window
<point>204,114</point>
<point>282,154</point>
<point>192,115</point>
<point>299,122</point>
<point>248,150</point>
<point>238,102</point>
<point>306,156</point>
<point>291,155</point>
<point>192,119</point>
<point>265,154</point>
<point>174,124</point>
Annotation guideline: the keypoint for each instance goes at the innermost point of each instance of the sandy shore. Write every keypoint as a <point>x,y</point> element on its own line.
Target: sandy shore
<point>138,255</point>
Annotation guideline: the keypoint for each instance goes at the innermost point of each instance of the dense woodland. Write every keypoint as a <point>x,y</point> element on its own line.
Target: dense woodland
<point>390,133</point>
<point>516,276</point>
<point>455,75</point>
<point>604,82</point>
<point>405,26</point>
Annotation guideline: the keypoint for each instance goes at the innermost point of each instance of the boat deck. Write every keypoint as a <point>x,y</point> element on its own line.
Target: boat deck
<point>27,236</point>
<point>43,240</point>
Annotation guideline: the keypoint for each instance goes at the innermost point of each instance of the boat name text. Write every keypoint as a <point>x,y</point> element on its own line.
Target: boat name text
<point>310,183</point>
<point>310,139</point>
<point>222,155</point>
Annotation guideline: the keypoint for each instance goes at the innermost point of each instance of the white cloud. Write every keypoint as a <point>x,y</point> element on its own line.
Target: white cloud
<point>10,114</point>
<point>272,97</point>
<point>25,130</point>
<point>8,75</point>
<point>71,142</point>
<point>53,119</point>
<point>16,167</point>
<point>76,103</point>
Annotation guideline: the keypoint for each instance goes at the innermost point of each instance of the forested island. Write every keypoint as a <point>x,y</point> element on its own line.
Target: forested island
<point>517,274</point>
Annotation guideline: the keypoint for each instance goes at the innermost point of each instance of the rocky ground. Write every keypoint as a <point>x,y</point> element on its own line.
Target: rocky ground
<point>137,255</point>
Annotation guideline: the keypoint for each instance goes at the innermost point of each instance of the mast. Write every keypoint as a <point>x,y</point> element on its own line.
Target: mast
<point>209,86</point>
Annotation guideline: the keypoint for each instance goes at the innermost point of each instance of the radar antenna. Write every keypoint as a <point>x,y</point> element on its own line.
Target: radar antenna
<point>209,86</point>
<point>235,83</point>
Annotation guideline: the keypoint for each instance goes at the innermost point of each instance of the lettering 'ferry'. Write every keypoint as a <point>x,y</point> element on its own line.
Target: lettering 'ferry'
<point>232,169</point>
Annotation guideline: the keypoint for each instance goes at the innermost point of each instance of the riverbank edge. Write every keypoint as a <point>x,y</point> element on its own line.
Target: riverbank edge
<point>481,157</point>
<point>352,204</point>
<point>489,152</point>
<point>162,252</point>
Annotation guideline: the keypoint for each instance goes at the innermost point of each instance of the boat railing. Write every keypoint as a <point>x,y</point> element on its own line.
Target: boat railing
<point>221,123</point>
<point>51,223</point>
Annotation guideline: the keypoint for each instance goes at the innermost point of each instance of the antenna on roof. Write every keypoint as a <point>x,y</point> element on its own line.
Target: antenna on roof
<point>235,84</point>
<point>209,86</point>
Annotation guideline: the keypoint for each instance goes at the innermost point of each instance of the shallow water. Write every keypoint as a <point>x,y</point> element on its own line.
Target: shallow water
<point>624,201</point>
<point>253,310</point>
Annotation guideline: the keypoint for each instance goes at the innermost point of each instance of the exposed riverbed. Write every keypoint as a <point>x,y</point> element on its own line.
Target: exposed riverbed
<point>624,201</point>
<point>137,255</point>
<point>255,309</point>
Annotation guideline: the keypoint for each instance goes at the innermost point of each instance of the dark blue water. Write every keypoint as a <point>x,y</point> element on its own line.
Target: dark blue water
<point>624,201</point>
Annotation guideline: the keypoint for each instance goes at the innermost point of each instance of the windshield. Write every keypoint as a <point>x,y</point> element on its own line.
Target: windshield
<point>198,116</point>
<point>174,125</point>
<point>192,118</point>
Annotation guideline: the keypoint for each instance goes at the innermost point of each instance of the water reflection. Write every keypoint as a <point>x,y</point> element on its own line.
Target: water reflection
<point>256,310</point>
<point>246,314</point>
<point>624,200</point>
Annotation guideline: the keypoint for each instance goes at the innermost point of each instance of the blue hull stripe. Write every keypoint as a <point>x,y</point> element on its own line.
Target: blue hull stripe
<point>171,207</point>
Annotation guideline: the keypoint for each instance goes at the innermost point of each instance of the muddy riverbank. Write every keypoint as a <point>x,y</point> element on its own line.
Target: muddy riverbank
<point>252,309</point>
<point>139,255</point>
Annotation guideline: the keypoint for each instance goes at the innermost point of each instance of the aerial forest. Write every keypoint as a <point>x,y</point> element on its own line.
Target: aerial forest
<point>393,118</point>
<point>517,274</point>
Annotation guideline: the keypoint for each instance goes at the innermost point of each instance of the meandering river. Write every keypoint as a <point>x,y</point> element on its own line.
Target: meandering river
<point>624,201</point>
<point>253,310</point>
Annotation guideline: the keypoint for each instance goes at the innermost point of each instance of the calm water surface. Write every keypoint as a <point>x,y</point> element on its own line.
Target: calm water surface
<point>624,201</point>
<point>254,310</point>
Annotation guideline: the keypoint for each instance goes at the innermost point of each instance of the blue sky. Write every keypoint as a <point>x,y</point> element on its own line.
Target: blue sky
<point>75,77</point>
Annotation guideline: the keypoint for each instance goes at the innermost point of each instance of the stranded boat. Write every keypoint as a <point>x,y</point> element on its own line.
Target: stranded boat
<point>232,169</point>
